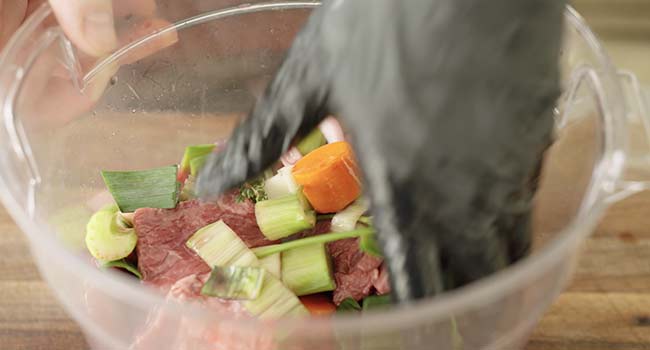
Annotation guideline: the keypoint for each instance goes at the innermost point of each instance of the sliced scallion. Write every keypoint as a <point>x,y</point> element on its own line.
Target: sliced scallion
<point>282,217</point>
<point>307,270</point>
<point>153,188</point>
<point>234,282</point>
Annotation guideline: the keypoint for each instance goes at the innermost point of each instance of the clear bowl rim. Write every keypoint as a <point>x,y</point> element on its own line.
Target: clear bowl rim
<point>402,316</point>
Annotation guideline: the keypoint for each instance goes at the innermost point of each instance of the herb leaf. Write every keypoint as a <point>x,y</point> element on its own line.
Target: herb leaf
<point>253,190</point>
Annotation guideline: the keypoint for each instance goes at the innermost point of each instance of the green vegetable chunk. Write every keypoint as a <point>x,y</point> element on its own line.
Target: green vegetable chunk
<point>218,245</point>
<point>123,264</point>
<point>376,302</point>
<point>348,304</point>
<point>282,217</point>
<point>153,188</point>
<point>196,164</point>
<point>193,152</point>
<point>368,244</point>
<point>234,282</point>
<point>324,238</point>
<point>108,238</point>
<point>272,264</point>
<point>312,141</point>
<point>307,270</point>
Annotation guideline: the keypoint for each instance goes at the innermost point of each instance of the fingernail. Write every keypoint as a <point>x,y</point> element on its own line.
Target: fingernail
<point>99,31</point>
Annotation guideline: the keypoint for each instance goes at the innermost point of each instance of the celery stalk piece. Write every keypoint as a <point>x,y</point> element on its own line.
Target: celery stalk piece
<point>261,252</point>
<point>234,282</point>
<point>218,245</point>
<point>153,188</point>
<point>282,217</point>
<point>193,152</point>
<point>368,244</point>
<point>275,300</point>
<point>346,219</point>
<point>272,264</point>
<point>307,270</point>
<point>107,236</point>
<point>281,184</point>
<point>310,142</point>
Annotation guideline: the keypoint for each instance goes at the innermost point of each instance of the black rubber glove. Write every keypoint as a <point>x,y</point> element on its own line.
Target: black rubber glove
<point>449,105</point>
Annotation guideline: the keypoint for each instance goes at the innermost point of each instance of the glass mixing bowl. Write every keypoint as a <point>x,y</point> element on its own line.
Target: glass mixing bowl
<point>186,71</point>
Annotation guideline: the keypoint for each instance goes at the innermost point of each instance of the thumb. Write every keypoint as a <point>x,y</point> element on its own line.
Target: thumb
<point>88,23</point>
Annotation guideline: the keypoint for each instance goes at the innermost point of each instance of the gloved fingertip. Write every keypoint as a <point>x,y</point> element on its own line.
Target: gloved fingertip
<point>98,30</point>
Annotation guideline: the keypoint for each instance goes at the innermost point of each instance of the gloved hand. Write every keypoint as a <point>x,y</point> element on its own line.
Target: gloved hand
<point>449,105</point>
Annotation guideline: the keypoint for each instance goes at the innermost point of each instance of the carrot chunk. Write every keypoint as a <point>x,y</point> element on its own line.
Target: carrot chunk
<point>318,304</point>
<point>329,177</point>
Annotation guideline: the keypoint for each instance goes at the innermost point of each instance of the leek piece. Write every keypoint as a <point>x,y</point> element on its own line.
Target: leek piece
<point>218,245</point>
<point>307,270</point>
<point>108,238</point>
<point>281,184</point>
<point>272,264</point>
<point>188,192</point>
<point>196,164</point>
<point>234,282</point>
<point>368,244</point>
<point>312,141</point>
<point>153,188</point>
<point>376,302</point>
<point>346,219</point>
<point>282,217</point>
<point>324,238</point>
<point>124,265</point>
<point>193,152</point>
<point>348,304</point>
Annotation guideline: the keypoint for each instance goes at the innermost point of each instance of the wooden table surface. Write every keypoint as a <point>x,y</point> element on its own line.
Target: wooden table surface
<point>607,305</point>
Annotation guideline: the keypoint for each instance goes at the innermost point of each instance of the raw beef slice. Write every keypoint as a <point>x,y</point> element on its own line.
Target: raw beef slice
<point>163,257</point>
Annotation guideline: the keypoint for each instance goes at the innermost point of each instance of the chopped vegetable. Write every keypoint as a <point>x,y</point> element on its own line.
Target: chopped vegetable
<point>280,185</point>
<point>329,177</point>
<point>272,264</point>
<point>282,217</point>
<point>123,264</point>
<point>318,304</point>
<point>307,270</point>
<point>368,244</point>
<point>376,302</point>
<point>310,142</point>
<point>261,252</point>
<point>193,152</point>
<point>234,282</point>
<point>108,238</point>
<point>196,164</point>
<point>275,300</point>
<point>348,304</point>
<point>346,220</point>
<point>218,245</point>
<point>153,188</point>
<point>252,190</point>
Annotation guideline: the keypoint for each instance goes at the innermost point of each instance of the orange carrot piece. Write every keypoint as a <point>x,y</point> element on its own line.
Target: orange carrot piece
<point>329,177</point>
<point>318,304</point>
